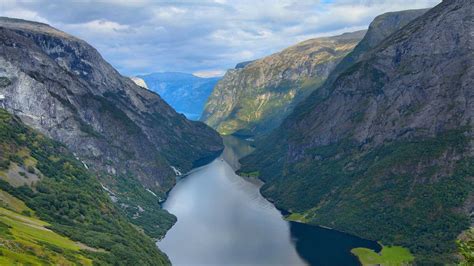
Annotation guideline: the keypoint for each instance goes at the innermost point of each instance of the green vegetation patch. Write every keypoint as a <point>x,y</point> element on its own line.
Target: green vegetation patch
<point>297,217</point>
<point>466,247</point>
<point>142,207</point>
<point>249,174</point>
<point>388,256</point>
<point>9,202</point>
<point>27,240</point>
<point>71,200</point>
<point>402,193</point>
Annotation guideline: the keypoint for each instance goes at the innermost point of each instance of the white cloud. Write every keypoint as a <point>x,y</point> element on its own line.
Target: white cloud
<point>23,14</point>
<point>196,36</point>
<point>168,13</point>
<point>100,26</point>
<point>209,73</point>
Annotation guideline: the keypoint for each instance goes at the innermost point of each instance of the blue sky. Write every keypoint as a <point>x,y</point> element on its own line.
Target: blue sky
<point>204,37</point>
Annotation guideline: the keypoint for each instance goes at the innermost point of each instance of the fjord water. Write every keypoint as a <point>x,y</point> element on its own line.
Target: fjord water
<point>223,219</point>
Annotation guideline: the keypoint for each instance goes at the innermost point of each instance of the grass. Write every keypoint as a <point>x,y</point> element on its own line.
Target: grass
<point>32,229</point>
<point>389,256</point>
<point>27,240</point>
<point>249,174</point>
<point>297,217</point>
<point>12,203</point>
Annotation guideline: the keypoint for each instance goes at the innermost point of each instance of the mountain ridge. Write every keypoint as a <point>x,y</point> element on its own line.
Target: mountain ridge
<point>254,97</point>
<point>131,138</point>
<point>384,150</point>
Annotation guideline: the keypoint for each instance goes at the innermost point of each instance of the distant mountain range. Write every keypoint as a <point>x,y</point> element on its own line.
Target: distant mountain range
<point>186,93</point>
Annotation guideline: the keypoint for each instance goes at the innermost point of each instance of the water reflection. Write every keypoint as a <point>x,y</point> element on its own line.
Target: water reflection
<point>235,148</point>
<point>223,219</point>
<point>326,247</point>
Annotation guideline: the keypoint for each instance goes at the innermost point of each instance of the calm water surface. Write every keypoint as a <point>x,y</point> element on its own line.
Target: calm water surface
<point>223,220</point>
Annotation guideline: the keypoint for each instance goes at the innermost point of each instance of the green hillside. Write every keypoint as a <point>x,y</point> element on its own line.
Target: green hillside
<point>54,210</point>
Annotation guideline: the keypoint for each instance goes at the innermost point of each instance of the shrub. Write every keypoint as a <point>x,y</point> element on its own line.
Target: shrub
<point>31,169</point>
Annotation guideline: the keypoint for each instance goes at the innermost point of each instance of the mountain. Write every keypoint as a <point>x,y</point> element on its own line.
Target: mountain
<point>380,28</point>
<point>257,95</point>
<point>385,149</point>
<point>127,135</point>
<point>53,211</point>
<point>186,93</point>
<point>243,64</point>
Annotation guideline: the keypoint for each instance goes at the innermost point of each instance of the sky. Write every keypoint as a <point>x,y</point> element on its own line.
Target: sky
<point>204,37</point>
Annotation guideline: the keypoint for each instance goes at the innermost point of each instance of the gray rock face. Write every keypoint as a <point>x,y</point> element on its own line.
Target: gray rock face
<point>62,87</point>
<point>381,27</point>
<point>415,82</point>
<point>385,148</point>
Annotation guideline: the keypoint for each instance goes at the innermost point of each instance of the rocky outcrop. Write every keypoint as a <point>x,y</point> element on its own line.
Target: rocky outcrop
<point>61,86</point>
<point>140,82</point>
<point>256,96</point>
<point>385,149</point>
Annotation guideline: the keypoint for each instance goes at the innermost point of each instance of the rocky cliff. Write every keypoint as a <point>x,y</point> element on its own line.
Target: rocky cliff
<point>256,96</point>
<point>380,28</point>
<point>385,149</point>
<point>128,135</point>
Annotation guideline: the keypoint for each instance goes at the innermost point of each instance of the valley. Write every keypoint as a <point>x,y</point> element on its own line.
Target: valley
<point>344,136</point>
<point>227,221</point>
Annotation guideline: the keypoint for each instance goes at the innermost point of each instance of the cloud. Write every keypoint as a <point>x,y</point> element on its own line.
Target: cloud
<point>209,73</point>
<point>100,30</point>
<point>201,37</point>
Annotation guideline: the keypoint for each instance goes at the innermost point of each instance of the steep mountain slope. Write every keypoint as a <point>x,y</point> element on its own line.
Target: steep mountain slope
<point>59,190</point>
<point>128,135</point>
<point>256,96</point>
<point>380,28</point>
<point>186,93</point>
<point>385,150</point>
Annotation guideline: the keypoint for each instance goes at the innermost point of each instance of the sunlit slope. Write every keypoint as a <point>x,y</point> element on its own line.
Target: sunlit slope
<point>256,96</point>
<point>26,239</point>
